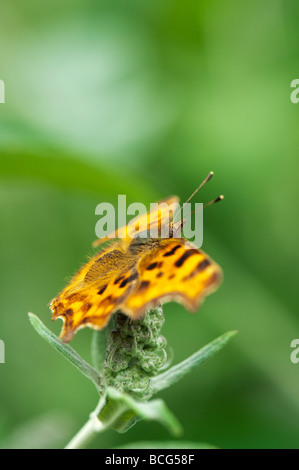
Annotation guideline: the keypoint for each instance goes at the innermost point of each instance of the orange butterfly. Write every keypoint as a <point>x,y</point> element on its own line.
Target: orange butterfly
<point>132,275</point>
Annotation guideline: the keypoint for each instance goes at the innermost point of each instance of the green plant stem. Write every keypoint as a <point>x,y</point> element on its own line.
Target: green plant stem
<point>86,434</point>
<point>90,429</point>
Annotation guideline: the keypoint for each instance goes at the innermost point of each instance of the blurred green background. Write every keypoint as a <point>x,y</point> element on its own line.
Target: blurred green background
<point>144,99</point>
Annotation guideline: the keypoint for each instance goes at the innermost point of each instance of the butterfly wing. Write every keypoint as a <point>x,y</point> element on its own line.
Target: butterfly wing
<point>96,292</point>
<point>175,270</point>
<point>134,275</point>
<point>155,218</point>
<point>100,287</point>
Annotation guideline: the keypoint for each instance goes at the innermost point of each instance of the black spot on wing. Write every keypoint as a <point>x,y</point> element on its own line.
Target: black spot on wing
<point>129,279</point>
<point>68,312</point>
<point>151,266</point>
<point>118,279</point>
<point>143,285</point>
<point>185,256</point>
<point>172,251</point>
<point>102,290</point>
<point>202,265</point>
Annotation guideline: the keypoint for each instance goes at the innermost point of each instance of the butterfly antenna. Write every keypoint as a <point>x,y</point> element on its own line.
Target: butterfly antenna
<point>183,220</point>
<point>196,190</point>
<point>219,198</point>
<point>200,186</point>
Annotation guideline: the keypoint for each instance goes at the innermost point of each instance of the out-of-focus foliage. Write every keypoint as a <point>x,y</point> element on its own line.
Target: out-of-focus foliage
<point>144,98</point>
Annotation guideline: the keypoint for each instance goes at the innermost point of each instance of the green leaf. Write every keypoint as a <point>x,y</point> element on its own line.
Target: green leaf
<point>177,372</point>
<point>85,176</point>
<point>122,411</point>
<point>67,351</point>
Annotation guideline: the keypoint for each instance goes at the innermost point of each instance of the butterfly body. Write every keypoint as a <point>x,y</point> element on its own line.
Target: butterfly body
<point>132,275</point>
